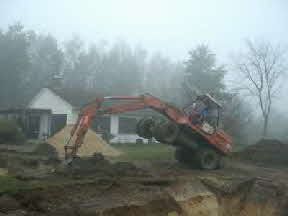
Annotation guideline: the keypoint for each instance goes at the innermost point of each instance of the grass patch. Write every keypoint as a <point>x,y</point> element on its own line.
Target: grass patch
<point>11,185</point>
<point>131,152</point>
<point>138,152</point>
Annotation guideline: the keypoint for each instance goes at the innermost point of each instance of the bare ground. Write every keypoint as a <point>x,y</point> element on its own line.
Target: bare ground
<point>159,188</point>
<point>148,187</point>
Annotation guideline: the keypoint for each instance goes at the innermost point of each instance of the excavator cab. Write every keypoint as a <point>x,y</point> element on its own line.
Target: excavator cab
<point>204,111</point>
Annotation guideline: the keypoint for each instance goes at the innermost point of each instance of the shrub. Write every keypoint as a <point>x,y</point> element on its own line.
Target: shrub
<point>10,132</point>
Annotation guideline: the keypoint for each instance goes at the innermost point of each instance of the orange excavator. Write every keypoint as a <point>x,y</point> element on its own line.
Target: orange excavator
<point>197,139</point>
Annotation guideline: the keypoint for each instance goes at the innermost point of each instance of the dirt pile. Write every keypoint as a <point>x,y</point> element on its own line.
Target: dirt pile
<point>92,143</point>
<point>251,196</point>
<point>36,148</point>
<point>46,149</point>
<point>266,152</point>
<point>98,166</point>
<point>29,160</point>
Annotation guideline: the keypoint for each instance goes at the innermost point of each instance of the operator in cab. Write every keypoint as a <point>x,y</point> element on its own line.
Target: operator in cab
<point>206,109</point>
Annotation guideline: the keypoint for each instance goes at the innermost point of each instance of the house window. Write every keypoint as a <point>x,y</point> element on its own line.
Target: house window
<point>101,124</point>
<point>58,122</point>
<point>127,125</point>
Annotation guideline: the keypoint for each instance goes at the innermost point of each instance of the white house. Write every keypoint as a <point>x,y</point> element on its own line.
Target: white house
<point>65,105</point>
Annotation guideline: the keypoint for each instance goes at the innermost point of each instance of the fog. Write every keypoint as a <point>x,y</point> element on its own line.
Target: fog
<point>171,27</point>
<point>142,46</point>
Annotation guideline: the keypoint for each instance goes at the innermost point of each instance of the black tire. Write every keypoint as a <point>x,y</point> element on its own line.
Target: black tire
<point>208,159</point>
<point>184,155</point>
<point>222,163</point>
<point>144,128</point>
<point>166,132</point>
<point>179,156</point>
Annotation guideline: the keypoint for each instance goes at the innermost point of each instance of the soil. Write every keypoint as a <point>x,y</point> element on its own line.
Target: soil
<point>155,188</point>
<point>267,153</point>
<point>46,149</point>
<point>92,143</point>
<point>95,186</point>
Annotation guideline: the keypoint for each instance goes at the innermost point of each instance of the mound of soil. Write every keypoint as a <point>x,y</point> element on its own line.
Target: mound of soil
<point>92,143</point>
<point>46,149</point>
<point>98,166</point>
<point>266,152</point>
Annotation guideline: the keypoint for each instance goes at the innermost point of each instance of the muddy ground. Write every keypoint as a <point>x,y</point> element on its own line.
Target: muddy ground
<point>153,188</point>
<point>96,186</point>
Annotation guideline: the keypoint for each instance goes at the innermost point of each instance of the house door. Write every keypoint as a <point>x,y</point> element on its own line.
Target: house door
<point>34,126</point>
<point>58,122</point>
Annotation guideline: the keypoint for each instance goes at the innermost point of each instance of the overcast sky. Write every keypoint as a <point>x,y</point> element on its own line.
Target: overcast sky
<point>169,26</point>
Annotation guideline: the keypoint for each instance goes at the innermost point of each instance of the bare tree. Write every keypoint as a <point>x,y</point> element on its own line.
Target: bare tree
<point>261,66</point>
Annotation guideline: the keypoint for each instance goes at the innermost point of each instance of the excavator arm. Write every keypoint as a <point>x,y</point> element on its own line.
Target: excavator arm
<point>126,104</point>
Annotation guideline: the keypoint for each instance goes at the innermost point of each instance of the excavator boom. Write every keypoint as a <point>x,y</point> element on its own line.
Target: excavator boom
<point>133,103</point>
<point>128,104</point>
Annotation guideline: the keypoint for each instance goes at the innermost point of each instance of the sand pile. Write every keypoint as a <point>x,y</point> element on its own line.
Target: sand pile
<point>92,143</point>
<point>266,152</point>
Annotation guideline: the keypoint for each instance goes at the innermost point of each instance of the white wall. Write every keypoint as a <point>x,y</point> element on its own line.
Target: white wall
<point>127,138</point>
<point>46,99</point>
<point>74,116</point>
<point>122,138</point>
<point>114,124</point>
<point>45,125</point>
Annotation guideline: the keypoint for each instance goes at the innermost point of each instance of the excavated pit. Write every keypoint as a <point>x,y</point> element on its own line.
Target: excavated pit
<point>96,187</point>
<point>217,193</point>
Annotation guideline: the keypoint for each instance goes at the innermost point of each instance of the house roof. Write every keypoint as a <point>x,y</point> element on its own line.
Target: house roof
<point>11,102</point>
<point>26,110</point>
<point>80,97</point>
<point>75,97</point>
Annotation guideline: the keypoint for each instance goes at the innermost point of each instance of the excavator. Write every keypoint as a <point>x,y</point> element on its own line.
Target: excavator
<point>198,141</point>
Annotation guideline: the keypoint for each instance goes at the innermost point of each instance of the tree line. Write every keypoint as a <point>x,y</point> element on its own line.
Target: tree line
<point>30,61</point>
